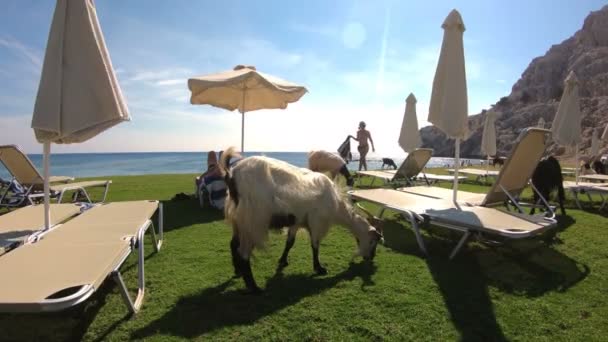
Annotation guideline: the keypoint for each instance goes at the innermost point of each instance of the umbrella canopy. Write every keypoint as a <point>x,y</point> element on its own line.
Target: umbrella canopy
<point>566,127</point>
<point>541,123</point>
<point>488,137</point>
<point>78,95</point>
<point>448,109</point>
<point>409,138</point>
<point>595,142</point>
<point>243,88</point>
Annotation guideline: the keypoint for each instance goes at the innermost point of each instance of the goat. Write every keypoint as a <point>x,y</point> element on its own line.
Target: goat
<point>323,161</point>
<point>548,177</point>
<point>388,162</point>
<point>265,193</point>
<point>498,161</point>
<point>599,167</point>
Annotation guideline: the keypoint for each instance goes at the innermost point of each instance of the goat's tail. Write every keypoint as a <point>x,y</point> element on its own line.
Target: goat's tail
<point>227,174</point>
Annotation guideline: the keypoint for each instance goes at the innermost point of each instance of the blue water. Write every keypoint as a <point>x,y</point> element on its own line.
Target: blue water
<point>110,164</point>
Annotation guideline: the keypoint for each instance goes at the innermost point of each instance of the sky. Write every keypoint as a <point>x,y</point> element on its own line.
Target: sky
<point>358,59</point>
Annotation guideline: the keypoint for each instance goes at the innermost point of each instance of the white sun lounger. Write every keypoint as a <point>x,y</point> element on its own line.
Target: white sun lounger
<point>18,225</point>
<point>25,173</point>
<point>598,178</point>
<point>479,174</point>
<point>513,178</point>
<point>410,170</point>
<point>69,263</point>
<point>418,209</point>
<point>588,188</point>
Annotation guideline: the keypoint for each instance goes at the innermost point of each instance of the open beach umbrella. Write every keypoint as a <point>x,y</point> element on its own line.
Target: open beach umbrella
<point>488,137</point>
<point>449,107</point>
<point>566,127</point>
<point>541,123</point>
<point>409,138</point>
<point>246,89</point>
<point>78,95</point>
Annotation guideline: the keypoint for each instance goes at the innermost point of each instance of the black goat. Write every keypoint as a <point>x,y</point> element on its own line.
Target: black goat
<point>599,167</point>
<point>546,178</point>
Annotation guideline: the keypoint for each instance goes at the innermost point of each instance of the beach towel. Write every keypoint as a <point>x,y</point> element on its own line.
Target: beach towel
<point>344,150</point>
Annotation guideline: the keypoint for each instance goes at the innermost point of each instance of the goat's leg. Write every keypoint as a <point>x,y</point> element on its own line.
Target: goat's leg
<point>234,246</point>
<point>242,265</point>
<point>291,239</point>
<point>320,270</point>
<point>245,269</point>
<point>536,200</point>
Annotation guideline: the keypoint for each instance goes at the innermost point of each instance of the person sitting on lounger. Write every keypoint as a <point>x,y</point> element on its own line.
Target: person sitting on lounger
<point>210,186</point>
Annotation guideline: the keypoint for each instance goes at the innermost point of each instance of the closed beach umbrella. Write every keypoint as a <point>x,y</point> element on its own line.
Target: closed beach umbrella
<point>605,134</point>
<point>449,107</point>
<point>541,123</point>
<point>488,137</point>
<point>595,142</point>
<point>78,95</point>
<point>566,127</point>
<point>409,138</point>
<point>246,89</point>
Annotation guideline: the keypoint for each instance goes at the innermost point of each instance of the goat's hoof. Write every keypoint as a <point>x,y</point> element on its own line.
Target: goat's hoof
<point>321,270</point>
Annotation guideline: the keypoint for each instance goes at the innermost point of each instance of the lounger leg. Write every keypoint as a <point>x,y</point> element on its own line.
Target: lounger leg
<point>124,292</point>
<point>105,192</point>
<point>604,200</point>
<point>461,243</point>
<point>157,242</point>
<point>416,230</point>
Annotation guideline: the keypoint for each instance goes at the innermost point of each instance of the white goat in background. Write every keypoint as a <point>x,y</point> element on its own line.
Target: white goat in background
<point>267,193</point>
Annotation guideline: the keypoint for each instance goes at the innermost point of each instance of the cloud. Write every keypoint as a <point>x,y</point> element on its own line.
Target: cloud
<point>171,82</point>
<point>25,53</point>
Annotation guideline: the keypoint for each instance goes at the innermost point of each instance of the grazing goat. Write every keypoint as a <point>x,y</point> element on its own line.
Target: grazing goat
<point>599,167</point>
<point>388,162</point>
<point>323,161</point>
<point>546,178</point>
<point>498,161</point>
<point>265,193</point>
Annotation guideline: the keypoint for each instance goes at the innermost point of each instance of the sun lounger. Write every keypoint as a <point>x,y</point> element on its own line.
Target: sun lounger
<point>479,174</point>
<point>419,209</point>
<point>18,225</point>
<point>409,171</point>
<point>27,176</point>
<point>69,264</point>
<point>512,179</point>
<point>588,188</point>
<point>598,178</point>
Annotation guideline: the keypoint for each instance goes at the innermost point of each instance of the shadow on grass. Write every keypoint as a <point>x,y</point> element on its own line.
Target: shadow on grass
<point>68,325</point>
<point>185,213</point>
<point>215,308</point>
<point>529,268</point>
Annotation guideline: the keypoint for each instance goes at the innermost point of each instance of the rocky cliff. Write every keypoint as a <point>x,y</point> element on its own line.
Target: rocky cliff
<point>537,93</point>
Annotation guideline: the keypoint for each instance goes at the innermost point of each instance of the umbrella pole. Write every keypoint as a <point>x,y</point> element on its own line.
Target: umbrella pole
<point>488,167</point>
<point>47,198</point>
<point>456,165</point>
<point>576,163</point>
<point>243,122</point>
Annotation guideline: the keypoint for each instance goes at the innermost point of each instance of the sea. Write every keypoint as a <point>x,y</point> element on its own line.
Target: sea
<point>118,164</point>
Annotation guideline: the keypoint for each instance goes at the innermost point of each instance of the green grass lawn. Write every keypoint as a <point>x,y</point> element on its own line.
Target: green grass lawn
<point>548,288</point>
